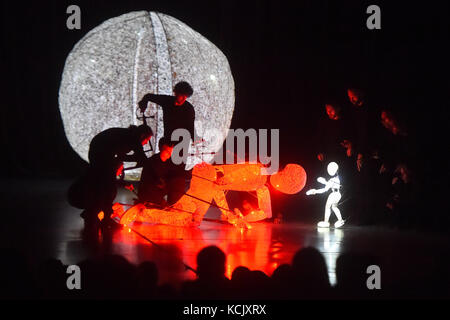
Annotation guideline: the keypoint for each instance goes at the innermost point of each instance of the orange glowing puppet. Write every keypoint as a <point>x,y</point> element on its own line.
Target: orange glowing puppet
<point>210,182</point>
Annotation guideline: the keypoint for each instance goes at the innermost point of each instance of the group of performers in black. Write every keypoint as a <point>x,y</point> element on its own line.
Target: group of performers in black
<point>369,144</point>
<point>162,182</point>
<point>372,148</point>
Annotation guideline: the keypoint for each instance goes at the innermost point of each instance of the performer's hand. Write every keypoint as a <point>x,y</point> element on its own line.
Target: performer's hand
<point>142,106</point>
<point>347,145</point>
<point>201,165</point>
<point>129,187</point>
<point>320,156</point>
<point>161,184</point>
<point>390,205</point>
<point>382,169</point>
<point>359,162</point>
<point>198,141</point>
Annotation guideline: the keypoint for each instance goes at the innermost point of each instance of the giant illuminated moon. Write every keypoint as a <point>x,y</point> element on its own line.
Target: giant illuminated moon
<point>114,65</point>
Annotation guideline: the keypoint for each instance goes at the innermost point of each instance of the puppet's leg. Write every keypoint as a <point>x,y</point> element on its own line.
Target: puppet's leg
<point>264,202</point>
<point>132,214</point>
<point>337,212</point>
<point>340,222</point>
<point>325,223</point>
<point>236,218</point>
<point>221,201</point>
<point>264,210</point>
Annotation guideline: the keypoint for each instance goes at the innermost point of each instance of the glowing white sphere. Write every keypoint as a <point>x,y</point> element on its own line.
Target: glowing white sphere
<point>114,65</point>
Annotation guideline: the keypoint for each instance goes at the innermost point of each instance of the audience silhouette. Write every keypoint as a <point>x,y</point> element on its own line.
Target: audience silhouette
<point>114,277</point>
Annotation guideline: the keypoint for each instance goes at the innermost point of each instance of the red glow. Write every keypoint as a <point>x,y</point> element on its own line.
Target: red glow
<point>356,97</point>
<point>332,112</point>
<point>207,185</point>
<point>255,248</point>
<point>119,170</point>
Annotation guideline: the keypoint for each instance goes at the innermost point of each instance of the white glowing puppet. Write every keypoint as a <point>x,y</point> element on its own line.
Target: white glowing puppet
<point>333,199</point>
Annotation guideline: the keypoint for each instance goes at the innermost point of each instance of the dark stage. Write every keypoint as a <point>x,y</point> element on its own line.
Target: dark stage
<point>45,226</point>
<point>291,68</point>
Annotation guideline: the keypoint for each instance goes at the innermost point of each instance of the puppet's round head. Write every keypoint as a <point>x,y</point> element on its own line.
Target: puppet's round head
<point>332,168</point>
<point>290,180</point>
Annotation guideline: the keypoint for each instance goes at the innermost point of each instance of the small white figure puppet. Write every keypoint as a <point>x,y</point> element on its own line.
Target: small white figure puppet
<point>334,197</point>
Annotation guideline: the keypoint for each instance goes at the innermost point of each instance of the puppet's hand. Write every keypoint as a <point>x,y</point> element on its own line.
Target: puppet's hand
<point>310,192</point>
<point>321,180</point>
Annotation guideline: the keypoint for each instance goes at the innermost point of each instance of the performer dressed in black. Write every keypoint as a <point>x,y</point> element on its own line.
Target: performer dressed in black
<point>95,191</point>
<point>161,177</point>
<point>335,143</point>
<point>178,113</point>
<point>364,119</point>
<point>334,136</point>
<point>115,143</point>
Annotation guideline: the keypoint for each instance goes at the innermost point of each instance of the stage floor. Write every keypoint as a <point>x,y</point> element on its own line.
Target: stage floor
<point>38,221</point>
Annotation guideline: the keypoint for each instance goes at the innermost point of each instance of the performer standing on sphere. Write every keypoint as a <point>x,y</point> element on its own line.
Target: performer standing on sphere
<point>178,113</point>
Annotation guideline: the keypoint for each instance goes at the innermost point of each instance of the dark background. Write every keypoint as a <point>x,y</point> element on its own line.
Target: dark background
<point>287,59</point>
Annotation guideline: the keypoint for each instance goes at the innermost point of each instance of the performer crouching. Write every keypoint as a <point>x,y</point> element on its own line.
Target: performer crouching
<point>161,178</point>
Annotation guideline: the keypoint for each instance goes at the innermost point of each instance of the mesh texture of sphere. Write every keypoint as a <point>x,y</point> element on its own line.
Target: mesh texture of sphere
<point>115,64</point>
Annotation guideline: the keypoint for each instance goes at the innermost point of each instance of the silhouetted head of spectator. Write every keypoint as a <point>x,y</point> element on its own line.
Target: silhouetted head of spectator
<point>17,282</point>
<point>165,148</point>
<point>142,132</point>
<point>51,278</point>
<point>118,277</point>
<point>309,268</point>
<point>282,274</point>
<point>182,91</point>
<point>260,285</point>
<point>351,274</point>
<point>333,111</point>
<point>211,263</point>
<point>355,96</point>
<point>147,276</point>
<point>240,274</point>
